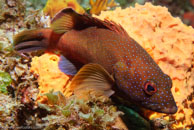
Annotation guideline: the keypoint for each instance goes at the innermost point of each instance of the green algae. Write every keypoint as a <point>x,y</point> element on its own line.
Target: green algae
<point>5,80</point>
<point>133,120</point>
<point>78,114</point>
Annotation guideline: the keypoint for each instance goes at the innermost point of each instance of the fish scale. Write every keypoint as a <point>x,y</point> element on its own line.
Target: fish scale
<point>139,65</point>
<point>90,40</point>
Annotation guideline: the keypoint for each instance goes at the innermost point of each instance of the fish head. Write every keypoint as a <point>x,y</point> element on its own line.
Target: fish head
<point>145,88</point>
<point>157,94</point>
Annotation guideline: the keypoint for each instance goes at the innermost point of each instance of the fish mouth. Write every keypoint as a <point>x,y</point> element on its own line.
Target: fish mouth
<point>29,46</point>
<point>169,108</point>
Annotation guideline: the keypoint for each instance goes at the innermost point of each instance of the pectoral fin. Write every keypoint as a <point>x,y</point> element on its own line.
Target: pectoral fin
<point>66,66</point>
<point>92,79</point>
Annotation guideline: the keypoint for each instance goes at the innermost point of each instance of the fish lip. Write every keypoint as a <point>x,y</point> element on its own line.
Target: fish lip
<point>170,109</point>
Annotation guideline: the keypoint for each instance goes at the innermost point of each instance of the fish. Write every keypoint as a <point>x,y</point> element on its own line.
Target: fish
<point>104,58</point>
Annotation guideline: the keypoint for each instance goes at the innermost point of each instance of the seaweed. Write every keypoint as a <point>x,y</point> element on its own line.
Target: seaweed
<point>19,86</point>
<point>73,113</point>
<point>134,120</point>
<point>8,107</point>
<point>5,80</point>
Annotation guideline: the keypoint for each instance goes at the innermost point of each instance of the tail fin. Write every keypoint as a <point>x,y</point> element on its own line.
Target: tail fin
<point>37,39</point>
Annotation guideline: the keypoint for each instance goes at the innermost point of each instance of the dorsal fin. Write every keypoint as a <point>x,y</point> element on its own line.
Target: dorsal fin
<point>115,27</point>
<point>67,19</point>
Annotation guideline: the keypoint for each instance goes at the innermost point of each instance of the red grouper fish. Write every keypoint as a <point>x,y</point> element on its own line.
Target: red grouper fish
<point>108,55</point>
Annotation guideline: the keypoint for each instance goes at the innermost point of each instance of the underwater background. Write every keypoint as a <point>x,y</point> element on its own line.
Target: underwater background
<point>34,92</point>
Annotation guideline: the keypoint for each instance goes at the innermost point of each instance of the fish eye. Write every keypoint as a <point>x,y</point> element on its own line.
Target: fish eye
<point>150,87</point>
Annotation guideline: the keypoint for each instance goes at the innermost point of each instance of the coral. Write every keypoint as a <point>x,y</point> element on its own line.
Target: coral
<point>54,6</point>
<point>15,15</point>
<point>23,88</point>
<point>8,112</point>
<point>100,5</point>
<point>66,108</point>
<point>22,78</point>
<point>18,68</point>
<point>5,80</point>
<point>35,4</point>
<point>167,40</point>
<point>170,43</point>
<point>18,108</point>
<point>46,66</point>
<point>11,10</point>
<point>75,113</point>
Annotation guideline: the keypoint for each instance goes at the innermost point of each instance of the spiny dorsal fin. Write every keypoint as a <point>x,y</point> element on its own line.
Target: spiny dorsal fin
<point>115,27</point>
<point>67,19</point>
<point>92,78</point>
